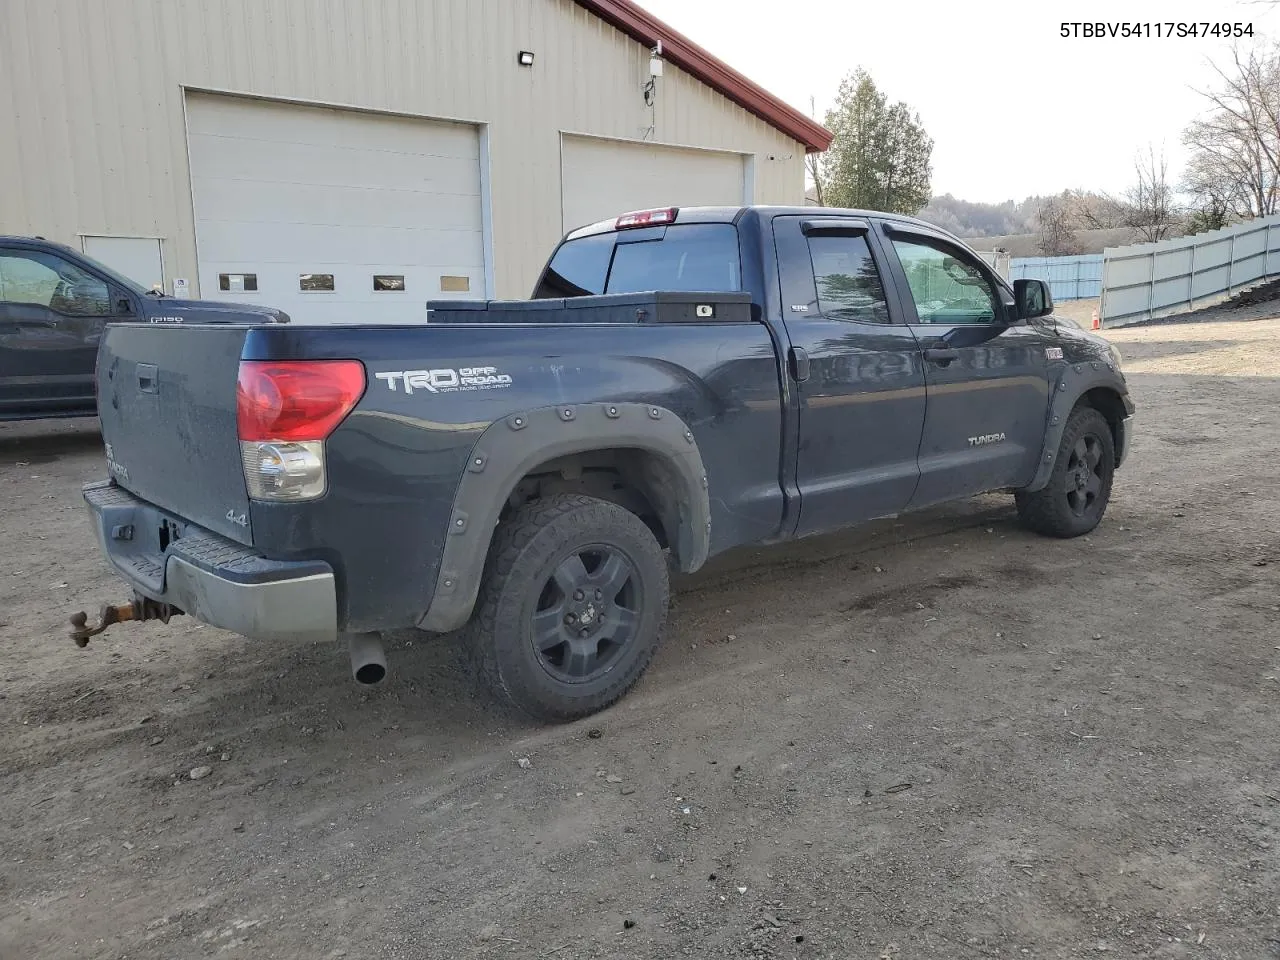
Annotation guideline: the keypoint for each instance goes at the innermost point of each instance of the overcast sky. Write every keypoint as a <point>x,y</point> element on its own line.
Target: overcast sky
<point>986,76</point>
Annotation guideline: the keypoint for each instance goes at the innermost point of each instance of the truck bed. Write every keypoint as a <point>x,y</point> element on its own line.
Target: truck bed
<point>394,464</point>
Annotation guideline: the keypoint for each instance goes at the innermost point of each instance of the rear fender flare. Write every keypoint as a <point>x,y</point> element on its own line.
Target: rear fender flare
<point>1073,381</point>
<point>510,448</point>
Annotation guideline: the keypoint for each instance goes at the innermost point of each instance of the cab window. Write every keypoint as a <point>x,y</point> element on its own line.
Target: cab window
<point>848,284</point>
<point>696,257</point>
<point>946,288</point>
<point>578,269</point>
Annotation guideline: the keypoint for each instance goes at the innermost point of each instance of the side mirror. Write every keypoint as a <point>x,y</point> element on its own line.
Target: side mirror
<point>1033,299</point>
<point>123,306</point>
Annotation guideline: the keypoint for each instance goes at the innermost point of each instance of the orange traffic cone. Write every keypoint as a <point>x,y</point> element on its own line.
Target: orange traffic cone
<point>1097,323</point>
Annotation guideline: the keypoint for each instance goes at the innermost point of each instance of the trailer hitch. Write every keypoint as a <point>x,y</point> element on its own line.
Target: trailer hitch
<point>142,608</point>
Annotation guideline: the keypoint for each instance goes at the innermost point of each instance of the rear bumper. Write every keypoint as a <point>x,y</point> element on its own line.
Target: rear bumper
<point>209,577</point>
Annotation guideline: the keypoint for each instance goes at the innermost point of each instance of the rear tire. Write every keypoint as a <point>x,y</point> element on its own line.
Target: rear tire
<point>571,609</point>
<point>1076,496</point>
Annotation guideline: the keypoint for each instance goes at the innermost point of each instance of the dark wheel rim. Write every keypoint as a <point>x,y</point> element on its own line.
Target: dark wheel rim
<point>1084,475</point>
<point>587,614</point>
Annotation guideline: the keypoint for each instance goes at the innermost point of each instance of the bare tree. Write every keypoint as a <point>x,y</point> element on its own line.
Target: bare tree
<point>1148,207</point>
<point>1100,211</point>
<point>1215,192</point>
<point>1056,236</point>
<point>1235,148</point>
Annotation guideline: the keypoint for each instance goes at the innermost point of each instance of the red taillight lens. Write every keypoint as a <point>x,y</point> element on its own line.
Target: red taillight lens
<point>295,400</point>
<point>645,218</point>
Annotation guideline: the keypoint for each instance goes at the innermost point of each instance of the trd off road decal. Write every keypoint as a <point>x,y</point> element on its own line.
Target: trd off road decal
<point>445,380</point>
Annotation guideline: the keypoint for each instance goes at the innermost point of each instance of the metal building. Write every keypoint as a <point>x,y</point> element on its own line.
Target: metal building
<point>351,159</point>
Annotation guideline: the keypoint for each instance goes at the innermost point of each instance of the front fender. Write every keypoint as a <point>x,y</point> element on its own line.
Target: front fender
<point>512,447</point>
<point>1073,381</point>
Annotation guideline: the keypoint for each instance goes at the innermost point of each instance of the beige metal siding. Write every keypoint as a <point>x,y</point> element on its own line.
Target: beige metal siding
<point>602,178</point>
<point>97,143</point>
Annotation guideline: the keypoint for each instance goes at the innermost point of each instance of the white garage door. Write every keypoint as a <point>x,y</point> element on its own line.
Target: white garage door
<point>603,178</point>
<point>331,215</point>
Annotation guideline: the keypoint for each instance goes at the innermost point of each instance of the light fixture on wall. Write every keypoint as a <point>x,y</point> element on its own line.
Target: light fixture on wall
<point>525,58</point>
<point>650,90</point>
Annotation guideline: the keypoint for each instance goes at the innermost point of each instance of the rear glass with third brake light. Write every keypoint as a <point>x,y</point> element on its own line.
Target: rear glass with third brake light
<point>645,218</point>
<point>693,257</point>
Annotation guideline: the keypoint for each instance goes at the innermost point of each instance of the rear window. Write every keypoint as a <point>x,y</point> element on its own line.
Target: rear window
<point>701,257</point>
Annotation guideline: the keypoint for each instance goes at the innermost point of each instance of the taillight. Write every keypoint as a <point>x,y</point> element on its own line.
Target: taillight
<point>645,218</point>
<point>285,410</point>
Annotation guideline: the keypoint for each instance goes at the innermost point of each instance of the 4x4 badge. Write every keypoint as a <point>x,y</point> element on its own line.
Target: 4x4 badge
<point>1053,353</point>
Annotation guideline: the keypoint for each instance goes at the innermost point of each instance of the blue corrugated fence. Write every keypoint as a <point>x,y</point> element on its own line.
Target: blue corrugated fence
<point>1070,278</point>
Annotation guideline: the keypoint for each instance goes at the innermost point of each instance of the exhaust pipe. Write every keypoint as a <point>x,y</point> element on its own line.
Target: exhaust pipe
<point>368,659</point>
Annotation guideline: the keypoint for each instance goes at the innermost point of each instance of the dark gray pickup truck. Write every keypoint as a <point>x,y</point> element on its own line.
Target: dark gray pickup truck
<point>55,302</point>
<point>518,469</point>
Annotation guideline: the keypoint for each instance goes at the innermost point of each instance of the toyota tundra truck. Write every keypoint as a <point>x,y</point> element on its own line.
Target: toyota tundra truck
<point>527,472</point>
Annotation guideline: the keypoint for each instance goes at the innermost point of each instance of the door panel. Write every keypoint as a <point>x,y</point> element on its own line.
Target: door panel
<point>987,380</point>
<point>862,403</point>
<point>51,317</point>
<point>138,258</point>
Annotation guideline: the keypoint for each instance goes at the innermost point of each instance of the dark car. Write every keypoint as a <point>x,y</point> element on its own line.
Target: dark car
<point>684,381</point>
<point>55,303</point>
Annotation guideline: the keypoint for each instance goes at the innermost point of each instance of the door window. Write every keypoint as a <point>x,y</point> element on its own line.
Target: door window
<point>45,280</point>
<point>946,288</point>
<point>848,284</point>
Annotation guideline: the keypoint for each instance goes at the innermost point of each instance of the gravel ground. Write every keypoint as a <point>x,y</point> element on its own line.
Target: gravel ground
<point>940,737</point>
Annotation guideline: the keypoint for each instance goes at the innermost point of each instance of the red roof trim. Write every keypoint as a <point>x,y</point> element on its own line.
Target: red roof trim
<point>643,26</point>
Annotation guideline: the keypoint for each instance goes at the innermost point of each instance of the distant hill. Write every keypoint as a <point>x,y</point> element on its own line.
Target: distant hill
<point>966,219</point>
<point>1028,244</point>
<point>1012,225</point>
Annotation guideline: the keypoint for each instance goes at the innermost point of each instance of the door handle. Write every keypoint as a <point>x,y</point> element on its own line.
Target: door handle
<point>798,358</point>
<point>147,377</point>
<point>941,355</point>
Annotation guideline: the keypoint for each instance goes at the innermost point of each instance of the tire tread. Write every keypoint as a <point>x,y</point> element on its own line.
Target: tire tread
<point>512,538</point>
<point>1045,511</point>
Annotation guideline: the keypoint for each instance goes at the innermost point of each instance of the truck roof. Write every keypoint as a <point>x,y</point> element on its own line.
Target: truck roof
<point>733,214</point>
<point>16,240</point>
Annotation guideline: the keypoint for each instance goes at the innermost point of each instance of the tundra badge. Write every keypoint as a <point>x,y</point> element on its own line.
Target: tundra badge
<point>986,438</point>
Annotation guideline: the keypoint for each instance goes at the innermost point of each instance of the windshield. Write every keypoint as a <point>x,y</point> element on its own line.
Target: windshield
<point>117,278</point>
<point>695,257</point>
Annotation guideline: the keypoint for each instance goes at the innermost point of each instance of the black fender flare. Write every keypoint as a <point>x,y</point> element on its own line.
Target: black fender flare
<point>513,446</point>
<point>1073,381</point>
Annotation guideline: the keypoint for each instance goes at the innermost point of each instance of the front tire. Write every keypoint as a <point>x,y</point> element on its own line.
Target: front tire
<point>571,608</point>
<point>1076,496</point>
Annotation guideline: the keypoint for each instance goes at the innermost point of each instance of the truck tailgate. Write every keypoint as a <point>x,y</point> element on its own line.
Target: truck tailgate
<point>167,402</point>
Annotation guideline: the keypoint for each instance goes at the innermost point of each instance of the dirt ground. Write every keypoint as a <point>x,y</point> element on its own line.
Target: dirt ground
<point>939,738</point>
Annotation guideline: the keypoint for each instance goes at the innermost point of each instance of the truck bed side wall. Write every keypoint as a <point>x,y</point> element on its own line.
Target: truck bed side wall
<point>396,462</point>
